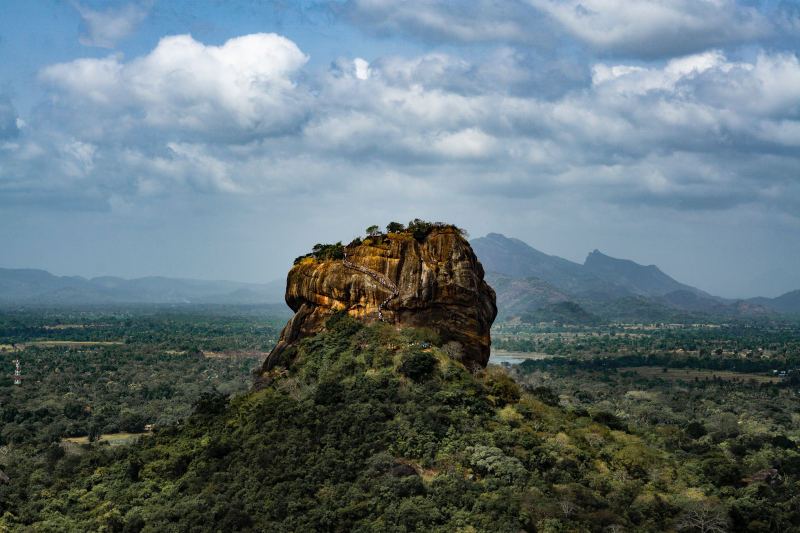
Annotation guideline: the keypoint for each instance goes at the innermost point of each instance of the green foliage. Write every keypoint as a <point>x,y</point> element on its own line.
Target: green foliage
<point>501,386</point>
<point>546,395</point>
<point>75,390</point>
<point>336,445</point>
<point>395,227</point>
<point>342,441</point>
<point>420,229</point>
<point>561,313</point>
<point>491,461</point>
<point>324,252</point>
<point>419,366</point>
<point>210,403</point>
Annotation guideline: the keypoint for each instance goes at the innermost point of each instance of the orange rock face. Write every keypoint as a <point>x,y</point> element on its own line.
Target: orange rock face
<point>439,284</point>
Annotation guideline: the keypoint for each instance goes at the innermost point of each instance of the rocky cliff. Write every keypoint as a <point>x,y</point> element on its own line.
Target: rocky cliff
<point>434,282</point>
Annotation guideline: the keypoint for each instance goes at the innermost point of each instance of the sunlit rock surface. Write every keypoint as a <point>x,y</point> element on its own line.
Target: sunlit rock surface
<point>439,285</point>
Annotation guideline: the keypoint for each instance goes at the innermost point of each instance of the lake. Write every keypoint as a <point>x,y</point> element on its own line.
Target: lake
<point>498,357</point>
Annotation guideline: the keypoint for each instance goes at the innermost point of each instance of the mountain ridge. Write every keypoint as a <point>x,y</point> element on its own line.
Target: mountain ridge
<point>35,286</point>
<point>600,281</point>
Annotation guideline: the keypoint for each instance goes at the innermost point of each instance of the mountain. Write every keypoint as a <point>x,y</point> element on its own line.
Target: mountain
<point>515,258</point>
<point>515,295</point>
<point>526,279</point>
<point>39,287</point>
<point>785,303</point>
<point>642,280</point>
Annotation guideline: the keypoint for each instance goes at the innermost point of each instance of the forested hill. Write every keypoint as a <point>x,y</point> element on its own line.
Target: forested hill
<point>39,287</point>
<point>785,303</point>
<point>372,429</point>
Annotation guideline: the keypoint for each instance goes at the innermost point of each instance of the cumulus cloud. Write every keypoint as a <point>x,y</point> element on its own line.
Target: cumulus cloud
<point>702,131</point>
<point>240,90</point>
<point>105,28</point>
<point>695,131</point>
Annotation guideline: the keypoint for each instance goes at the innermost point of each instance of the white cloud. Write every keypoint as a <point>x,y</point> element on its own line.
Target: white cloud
<point>480,20</point>
<point>657,27</point>
<point>241,89</point>
<point>639,28</point>
<point>639,80</point>
<point>78,160</point>
<point>690,132</point>
<point>104,28</point>
<point>361,68</point>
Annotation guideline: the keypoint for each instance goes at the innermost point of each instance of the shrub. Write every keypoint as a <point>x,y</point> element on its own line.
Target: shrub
<point>546,396</point>
<point>210,403</point>
<point>418,367</point>
<point>503,387</point>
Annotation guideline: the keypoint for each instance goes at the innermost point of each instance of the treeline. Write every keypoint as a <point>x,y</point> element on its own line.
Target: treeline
<point>417,228</point>
<point>748,341</point>
<point>226,328</point>
<point>663,360</point>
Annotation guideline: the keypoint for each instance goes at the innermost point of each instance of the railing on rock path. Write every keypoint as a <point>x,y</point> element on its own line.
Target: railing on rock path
<point>377,277</point>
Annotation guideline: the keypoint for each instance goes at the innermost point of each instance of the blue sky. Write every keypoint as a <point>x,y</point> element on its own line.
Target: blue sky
<point>220,139</point>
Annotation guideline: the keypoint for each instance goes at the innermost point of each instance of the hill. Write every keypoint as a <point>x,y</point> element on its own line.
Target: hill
<point>367,431</point>
<point>517,295</point>
<point>561,313</point>
<point>786,303</point>
<point>39,287</point>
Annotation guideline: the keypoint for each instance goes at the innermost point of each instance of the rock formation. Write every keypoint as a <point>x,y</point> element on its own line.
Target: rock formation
<point>434,282</point>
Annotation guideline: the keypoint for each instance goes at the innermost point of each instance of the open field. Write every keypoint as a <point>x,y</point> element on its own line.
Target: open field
<point>236,354</point>
<point>113,439</point>
<point>18,347</point>
<point>44,344</point>
<point>687,374</point>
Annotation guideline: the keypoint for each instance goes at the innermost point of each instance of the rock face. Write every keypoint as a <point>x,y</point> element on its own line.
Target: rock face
<point>437,283</point>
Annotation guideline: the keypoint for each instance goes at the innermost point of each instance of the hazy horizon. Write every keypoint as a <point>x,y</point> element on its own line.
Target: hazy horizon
<point>219,140</point>
<point>282,278</point>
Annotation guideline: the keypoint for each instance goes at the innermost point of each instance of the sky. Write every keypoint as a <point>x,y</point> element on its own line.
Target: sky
<point>220,139</point>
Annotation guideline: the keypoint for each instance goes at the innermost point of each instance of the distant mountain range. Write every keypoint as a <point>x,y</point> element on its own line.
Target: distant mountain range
<point>39,287</point>
<point>526,280</point>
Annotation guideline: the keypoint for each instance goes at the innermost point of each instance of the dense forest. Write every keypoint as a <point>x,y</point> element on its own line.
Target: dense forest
<point>379,429</point>
<point>86,373</point>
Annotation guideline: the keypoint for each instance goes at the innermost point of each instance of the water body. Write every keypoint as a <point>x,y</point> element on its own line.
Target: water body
<point>499,357</point>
